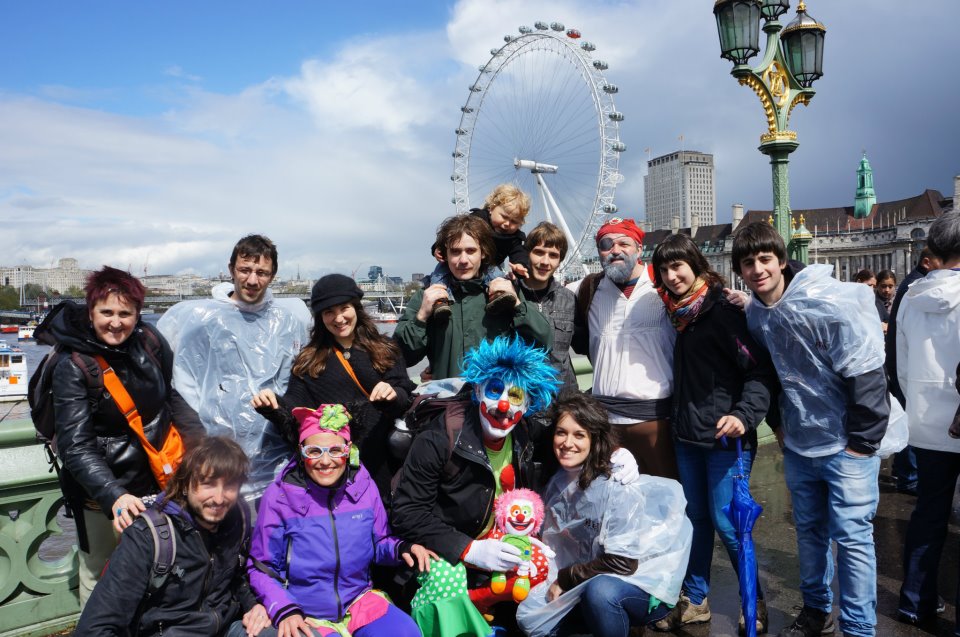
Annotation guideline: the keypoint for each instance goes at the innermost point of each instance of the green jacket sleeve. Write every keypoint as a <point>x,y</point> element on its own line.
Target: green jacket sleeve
<point>411,334</point>
<point>532,326</point>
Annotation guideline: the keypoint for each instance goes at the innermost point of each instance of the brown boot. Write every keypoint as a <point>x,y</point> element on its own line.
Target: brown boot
<point>501,302</point>
<point>442,310</point>
<point>761,619</point>
<point>684,613</point>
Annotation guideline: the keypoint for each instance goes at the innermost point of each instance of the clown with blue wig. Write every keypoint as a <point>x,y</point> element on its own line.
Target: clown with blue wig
<point>456,468</point>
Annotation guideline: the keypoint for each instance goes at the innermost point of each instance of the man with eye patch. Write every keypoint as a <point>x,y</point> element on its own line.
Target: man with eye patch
<point>621,324</point>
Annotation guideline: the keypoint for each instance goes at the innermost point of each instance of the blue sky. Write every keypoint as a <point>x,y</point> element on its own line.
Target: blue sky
<point>154,134</point>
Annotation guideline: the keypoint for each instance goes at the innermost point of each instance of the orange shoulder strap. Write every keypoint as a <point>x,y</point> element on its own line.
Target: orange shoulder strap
<point>346,366</point>
<point>124,402</point>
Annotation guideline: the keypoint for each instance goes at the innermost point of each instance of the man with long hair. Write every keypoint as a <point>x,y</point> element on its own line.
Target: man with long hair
<point>205,590</point>
<point>468,245</point>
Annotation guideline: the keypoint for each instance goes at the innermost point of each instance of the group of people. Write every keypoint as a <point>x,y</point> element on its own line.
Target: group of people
<point>294,508</point>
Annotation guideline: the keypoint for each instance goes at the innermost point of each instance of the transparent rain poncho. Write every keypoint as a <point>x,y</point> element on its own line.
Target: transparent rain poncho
<point>645,520</point>
<point>223,355</point>
<point>820,332</point>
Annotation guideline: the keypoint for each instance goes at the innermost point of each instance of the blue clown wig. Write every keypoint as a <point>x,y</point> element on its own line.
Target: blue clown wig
<point>514,362</point>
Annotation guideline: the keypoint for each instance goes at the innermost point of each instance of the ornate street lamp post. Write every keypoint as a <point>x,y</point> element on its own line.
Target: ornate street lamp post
<point>792,61</point>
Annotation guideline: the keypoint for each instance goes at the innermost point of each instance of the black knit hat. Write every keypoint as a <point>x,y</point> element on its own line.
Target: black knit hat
<point>333,289</point>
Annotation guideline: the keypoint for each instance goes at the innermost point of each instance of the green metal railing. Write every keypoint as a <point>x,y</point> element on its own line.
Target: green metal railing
<point>37,596</point>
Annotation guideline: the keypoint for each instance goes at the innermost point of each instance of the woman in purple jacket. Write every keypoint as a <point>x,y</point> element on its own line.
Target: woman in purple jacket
<point>321,525</point>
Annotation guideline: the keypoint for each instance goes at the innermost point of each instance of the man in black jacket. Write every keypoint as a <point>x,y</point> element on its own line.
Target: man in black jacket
<point>464,459</point>
<point>205,591</point>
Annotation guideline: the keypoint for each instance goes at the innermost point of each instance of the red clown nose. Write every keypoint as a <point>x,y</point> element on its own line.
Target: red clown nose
<point>503,406</point>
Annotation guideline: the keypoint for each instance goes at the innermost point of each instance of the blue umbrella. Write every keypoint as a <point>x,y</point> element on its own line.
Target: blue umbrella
<point>743,512</point>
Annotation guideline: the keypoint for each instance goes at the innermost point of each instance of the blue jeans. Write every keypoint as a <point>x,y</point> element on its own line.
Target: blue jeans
<point>707,478</point>
<point>835,498</point>
<point>609,607</point>
<point>937,473</point>
<point>442,275</point>
<point>904,468</point>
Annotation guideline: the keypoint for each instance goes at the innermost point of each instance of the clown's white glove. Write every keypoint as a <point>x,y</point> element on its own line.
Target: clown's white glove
<point>624,469</point>
<point>492,555</point>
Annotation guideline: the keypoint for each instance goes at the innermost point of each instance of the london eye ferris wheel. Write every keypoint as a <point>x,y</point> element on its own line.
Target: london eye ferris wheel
<point>541,115</point>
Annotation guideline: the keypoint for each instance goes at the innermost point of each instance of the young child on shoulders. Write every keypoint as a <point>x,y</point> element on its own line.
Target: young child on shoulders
<point>504,210</point>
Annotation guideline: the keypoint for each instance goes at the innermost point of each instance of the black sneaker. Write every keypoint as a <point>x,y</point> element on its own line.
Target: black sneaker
<point>809,623</point>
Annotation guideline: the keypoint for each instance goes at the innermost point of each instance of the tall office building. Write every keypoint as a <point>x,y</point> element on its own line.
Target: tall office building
<point>680,184</point>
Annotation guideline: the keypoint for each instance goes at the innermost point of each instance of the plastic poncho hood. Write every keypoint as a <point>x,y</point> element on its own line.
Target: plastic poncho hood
<point>820,332</point>
<point>645,520</point>
<point>224,353</point>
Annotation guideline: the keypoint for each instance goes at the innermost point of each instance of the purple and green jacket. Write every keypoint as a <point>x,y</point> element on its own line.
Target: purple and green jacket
<point>319,542</point>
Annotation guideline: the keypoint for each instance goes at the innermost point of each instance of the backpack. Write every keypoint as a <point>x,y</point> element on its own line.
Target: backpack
<point>424,409</point>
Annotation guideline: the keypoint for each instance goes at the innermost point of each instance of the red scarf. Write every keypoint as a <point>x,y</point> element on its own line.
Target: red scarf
<point>683,311</point>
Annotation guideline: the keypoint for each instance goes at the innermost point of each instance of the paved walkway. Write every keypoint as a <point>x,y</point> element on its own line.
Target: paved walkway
<point>777,555</point>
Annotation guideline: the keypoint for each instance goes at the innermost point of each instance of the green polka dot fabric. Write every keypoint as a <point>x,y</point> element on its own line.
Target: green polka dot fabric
<point>442,606</point>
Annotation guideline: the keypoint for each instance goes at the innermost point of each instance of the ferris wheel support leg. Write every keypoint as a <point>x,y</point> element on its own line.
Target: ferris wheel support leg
<point>551,203</point>
<point>543,196</point>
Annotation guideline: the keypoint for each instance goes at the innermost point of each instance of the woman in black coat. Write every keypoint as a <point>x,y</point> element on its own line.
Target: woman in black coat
<point>722,388</point>
<point>347,362</point>
<point>106,473</point>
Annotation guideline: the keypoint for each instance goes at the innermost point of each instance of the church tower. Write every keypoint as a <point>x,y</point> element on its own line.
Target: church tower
<point>866,197</point>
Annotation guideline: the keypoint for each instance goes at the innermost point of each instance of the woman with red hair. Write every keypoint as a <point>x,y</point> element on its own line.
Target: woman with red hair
<point>106,473</point>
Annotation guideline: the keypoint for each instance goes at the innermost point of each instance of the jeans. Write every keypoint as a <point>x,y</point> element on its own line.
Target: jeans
<point>442,275</point>
<point>395,623</point>
<point>609,607</point>
<point>835,498</point>
<point>937,473</point>
<point>237,630</point>
<point>904,468</point>
<point>707,478</point>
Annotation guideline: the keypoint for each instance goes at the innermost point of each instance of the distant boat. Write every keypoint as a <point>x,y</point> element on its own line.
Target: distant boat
<point>8,329</point>
<point>13,373</point>
<point>385,317</point>
<point>25,332</point>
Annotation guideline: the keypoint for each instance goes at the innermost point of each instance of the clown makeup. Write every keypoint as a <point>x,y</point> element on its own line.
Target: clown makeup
<point>520,517</point>
<point>501,407</point>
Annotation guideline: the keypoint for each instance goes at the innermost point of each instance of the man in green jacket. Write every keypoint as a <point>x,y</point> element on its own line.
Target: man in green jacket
<point>467,245</point>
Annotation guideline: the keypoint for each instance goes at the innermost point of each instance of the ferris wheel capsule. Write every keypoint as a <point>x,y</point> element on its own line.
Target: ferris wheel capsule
<point>509,38</point>
<point>588,46</point>
<point>616,116</point>
<point>557,26</point>
<point>525,29</point>
<point>610,208</point>
<point>600,65</point>
<point>618,146</point>
<point>495,52</point>
<point>573,33</point>
<point>541,25</point>
<point>611,88</point>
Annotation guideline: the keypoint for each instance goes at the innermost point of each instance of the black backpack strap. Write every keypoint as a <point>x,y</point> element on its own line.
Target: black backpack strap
<point>265,568</point>
<point>454,416</point>
<point>164,548</point>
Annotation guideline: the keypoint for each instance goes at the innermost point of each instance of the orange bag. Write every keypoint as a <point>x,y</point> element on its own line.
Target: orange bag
<point>163,462</point>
